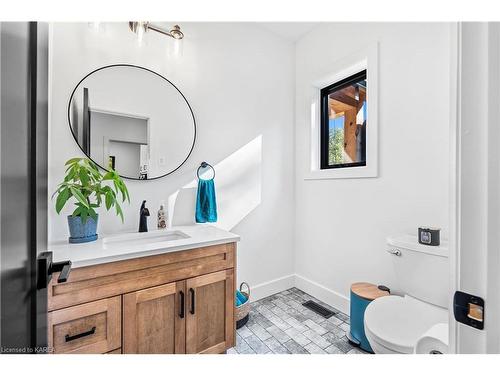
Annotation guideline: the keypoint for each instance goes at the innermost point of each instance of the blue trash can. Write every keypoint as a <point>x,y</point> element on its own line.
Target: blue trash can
<point>361,295</point>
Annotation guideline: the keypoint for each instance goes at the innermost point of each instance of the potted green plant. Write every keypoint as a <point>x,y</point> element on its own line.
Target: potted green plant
<point>90,188</point>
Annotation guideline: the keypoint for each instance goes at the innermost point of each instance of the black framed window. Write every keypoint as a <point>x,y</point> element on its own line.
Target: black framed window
<point>343,123</point>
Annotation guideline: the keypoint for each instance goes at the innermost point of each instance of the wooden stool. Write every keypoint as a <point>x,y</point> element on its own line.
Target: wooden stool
<point>361,295</point>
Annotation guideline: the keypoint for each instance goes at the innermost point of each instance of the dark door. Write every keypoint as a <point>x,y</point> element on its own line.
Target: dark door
<point>24,92</point>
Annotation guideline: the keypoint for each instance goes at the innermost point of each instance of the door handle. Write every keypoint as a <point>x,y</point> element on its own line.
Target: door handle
<point>469,309</point>
<point>66,268</point>
<point>191,291</point>
<point>46,267</point>
<point>181,313</point>
<point>68,338</point>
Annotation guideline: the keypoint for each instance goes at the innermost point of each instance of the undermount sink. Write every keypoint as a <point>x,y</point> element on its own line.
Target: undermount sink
<point>138,239</point>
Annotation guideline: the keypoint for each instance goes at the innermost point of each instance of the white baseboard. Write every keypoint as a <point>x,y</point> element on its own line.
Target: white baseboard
<point>272,287</point>
<point>316,290</point>
<point>334,299</point>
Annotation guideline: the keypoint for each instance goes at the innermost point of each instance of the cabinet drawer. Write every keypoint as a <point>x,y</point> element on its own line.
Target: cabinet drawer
<point>93,327</point>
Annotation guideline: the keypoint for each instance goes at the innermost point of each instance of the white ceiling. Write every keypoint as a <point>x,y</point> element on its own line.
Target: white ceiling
<point>292,31</point>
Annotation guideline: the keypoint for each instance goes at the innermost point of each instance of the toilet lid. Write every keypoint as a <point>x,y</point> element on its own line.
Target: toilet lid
<point>398,322</point>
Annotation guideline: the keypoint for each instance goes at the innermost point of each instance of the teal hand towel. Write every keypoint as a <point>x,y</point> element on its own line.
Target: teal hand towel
<point>206,206</point>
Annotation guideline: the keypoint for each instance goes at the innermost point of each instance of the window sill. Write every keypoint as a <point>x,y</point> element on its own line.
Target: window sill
<point>338,173</point>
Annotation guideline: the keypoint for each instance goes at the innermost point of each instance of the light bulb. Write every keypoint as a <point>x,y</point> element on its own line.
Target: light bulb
<point>139,28</point>
<point>140,33</point>
<point>178,47</point>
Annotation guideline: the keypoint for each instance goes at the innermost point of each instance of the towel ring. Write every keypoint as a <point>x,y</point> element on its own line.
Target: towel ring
<point>204,164</point>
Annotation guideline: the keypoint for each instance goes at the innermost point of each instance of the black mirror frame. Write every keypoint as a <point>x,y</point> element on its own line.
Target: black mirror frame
<point>151,71</point>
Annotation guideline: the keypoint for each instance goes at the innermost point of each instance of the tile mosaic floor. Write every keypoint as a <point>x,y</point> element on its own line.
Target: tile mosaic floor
<point>279,324</point>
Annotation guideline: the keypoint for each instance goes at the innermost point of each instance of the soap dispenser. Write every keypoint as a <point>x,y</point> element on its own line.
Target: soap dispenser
<point>162,216</point>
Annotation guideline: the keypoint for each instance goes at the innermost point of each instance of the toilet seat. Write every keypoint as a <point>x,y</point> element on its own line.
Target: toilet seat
<point>393,324</point>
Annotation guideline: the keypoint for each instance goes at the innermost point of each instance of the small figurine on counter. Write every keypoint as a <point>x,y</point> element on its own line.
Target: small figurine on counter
<point>143,221</point>
<point>162,216</point>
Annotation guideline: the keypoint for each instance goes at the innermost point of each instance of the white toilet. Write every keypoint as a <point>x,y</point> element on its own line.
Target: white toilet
<point>393,324</point>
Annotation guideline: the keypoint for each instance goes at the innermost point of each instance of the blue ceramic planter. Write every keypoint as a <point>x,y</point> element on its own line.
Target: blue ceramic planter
<point>80,232</point>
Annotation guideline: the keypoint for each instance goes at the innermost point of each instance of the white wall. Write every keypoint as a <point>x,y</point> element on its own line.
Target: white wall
<point>239,81</point>
<point>341,224</point>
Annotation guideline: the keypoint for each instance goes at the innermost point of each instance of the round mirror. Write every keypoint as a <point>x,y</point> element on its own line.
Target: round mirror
<point>133,120</point>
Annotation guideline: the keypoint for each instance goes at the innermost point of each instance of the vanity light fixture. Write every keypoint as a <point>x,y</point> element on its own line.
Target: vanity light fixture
<point>142,27</point>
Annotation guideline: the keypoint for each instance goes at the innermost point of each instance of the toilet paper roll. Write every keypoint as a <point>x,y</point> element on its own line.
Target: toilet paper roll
<point>435,339</point>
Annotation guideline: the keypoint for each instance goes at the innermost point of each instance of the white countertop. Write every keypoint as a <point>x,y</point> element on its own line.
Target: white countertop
<point>124,246</point>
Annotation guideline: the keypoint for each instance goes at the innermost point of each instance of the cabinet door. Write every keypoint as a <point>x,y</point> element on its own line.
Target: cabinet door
<point>153,320</point>
<point>210,317</point>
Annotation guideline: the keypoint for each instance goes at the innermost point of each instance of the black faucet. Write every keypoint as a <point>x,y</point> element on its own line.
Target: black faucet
<point>143,221</point>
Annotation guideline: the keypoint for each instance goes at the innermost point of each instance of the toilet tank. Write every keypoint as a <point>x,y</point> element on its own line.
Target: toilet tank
<point>421,270</point>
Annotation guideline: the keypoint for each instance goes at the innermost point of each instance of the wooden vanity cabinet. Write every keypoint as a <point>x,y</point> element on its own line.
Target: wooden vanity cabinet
<point>180,302</point>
